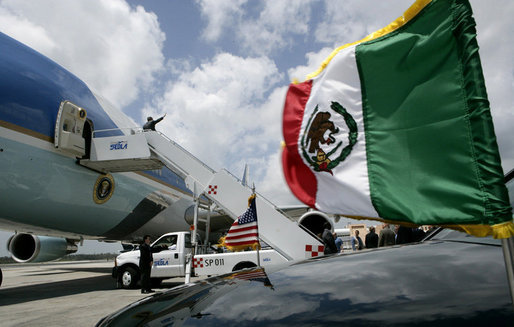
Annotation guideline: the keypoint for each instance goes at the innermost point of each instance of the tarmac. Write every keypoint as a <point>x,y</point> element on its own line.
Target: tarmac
<point>64,293</point>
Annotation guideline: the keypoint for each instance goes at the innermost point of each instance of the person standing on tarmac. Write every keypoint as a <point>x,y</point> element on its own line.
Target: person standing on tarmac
<point>145,264</point>
<point>328,239</point>
<point>357,241</point>
<point>150,123</point>
<point>386,236</point>
<point>371,239</point>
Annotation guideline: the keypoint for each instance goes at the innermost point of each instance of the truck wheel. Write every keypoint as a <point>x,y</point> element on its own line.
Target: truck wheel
<point>243,265</point>
<point>156,282</point>
<point>128,277</point>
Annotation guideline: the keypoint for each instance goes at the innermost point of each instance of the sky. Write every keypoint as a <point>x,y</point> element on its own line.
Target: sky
<point>220,69</point>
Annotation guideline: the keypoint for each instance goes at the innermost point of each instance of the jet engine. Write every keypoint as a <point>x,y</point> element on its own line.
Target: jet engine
<point>219,224</point>
<point>32,248</point>
<point>314,220</point>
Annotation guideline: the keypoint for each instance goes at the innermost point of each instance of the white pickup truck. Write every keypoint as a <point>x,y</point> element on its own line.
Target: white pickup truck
<point>169,260</point>
<point>170,253</point>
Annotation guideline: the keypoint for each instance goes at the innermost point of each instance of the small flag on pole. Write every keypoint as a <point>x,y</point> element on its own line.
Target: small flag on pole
<point>244,232</point>
<point>397,127</point>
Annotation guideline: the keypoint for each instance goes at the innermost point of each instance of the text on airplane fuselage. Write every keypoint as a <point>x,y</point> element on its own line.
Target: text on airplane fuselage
<point>120,145</point>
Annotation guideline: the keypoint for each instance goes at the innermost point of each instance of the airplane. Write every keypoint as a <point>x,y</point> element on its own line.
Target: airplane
<point>53,202</point>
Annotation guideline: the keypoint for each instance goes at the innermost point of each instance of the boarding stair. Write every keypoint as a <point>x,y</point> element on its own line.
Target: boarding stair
<point>142,150</point>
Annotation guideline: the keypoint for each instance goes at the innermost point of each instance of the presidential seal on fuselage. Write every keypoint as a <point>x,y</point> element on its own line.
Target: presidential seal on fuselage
<point>103,189</point>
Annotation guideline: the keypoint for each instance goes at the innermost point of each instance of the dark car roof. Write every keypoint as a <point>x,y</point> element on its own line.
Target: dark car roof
<point>451,280</point>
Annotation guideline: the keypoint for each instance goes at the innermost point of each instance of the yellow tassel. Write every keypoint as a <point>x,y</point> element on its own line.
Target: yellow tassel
<point>505,230</point>
<point>499,231</point>
<point>251,198</point>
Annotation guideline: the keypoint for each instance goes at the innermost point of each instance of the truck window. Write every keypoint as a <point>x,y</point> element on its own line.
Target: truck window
<point>166,242</point>
<point>188,244</point>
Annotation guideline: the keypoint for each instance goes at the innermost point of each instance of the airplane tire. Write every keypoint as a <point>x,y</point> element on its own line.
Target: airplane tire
<point>128,277</point>
<point>1,277</point>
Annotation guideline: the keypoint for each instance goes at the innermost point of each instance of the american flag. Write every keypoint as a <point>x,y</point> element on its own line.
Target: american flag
<point>244,233</point>
<point>255,274</point>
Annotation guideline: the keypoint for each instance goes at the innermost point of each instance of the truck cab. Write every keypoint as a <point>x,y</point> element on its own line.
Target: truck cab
<point>169,260</point>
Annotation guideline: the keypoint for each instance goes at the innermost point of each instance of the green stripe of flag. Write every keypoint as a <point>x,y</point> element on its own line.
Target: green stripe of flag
<point>430,140</point>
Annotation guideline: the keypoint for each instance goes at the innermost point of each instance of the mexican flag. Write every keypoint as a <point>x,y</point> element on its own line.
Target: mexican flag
<point>397,128</point>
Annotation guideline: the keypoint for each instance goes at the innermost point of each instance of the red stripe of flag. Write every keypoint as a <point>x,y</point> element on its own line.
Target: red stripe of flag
<point>299,176</point>
<point>242,243</point>
<point>228,238</point>
<point>242,229</point>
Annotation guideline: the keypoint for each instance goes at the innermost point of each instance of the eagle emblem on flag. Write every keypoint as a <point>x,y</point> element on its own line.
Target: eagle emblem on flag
<point>323,143</point>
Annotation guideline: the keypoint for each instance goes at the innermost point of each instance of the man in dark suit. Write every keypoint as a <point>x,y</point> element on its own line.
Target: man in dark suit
<point>371,238</point>
<point>145,264</point>
<point>328,239</point>
<point>386,236</point>
<point>150,123</point>
<point>404,235</point>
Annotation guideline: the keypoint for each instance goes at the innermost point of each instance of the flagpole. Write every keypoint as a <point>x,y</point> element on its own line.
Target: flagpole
<point>258,238</point>
<point>207,228</point>
<point>196,199</point>
<point>508,255</point>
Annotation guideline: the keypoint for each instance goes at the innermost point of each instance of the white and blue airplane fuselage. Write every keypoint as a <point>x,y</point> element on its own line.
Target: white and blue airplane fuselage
<point>42,189</point>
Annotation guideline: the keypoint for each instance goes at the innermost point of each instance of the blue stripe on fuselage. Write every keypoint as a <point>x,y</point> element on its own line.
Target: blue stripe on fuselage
<point>33,86</point>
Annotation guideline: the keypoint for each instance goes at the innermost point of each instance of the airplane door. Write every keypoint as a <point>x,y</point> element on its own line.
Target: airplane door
<point>166,257</point>
<point>68,129</point>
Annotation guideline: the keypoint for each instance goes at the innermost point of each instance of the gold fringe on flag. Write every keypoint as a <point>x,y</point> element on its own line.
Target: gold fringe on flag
<point>253,196</point>
<point>239,248</point>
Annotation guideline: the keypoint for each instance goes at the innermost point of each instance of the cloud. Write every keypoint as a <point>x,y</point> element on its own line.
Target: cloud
<point>20,28</point>
<point>351,20</point>
<point>270,28</point>
<point>220,14</point>
<point>314,60</point>
<point>218,110</point>
<point>114,48</point>
<point>275,28</point>
<point>495,35</point>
